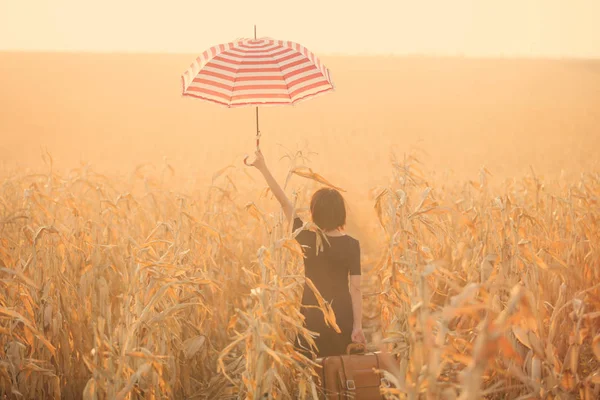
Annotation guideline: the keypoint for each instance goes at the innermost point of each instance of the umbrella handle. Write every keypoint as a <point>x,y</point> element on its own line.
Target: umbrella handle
<point>257,148</point>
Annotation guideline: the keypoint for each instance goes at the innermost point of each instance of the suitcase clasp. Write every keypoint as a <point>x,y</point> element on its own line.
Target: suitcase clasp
<point>350,385</point>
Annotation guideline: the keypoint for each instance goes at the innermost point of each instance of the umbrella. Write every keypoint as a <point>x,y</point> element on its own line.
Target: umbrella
<point>256,72</point>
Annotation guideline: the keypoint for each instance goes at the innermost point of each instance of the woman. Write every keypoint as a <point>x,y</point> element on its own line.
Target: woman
<point>335,270</point>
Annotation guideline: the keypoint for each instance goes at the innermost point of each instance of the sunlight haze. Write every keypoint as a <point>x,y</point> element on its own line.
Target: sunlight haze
<point>531,28</point>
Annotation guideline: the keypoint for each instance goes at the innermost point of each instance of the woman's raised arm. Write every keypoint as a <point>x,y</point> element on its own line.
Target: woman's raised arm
<point>286,204</point>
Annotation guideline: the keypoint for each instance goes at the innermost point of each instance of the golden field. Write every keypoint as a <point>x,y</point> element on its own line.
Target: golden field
<point>140,259</point>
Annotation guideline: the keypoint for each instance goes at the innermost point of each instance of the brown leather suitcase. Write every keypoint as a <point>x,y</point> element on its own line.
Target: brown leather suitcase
<point>351,376</point>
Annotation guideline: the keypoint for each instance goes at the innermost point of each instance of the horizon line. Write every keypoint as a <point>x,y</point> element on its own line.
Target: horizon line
<point>326,54</point>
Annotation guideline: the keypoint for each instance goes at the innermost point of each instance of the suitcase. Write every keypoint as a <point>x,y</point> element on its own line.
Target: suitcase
<point>351,376</point>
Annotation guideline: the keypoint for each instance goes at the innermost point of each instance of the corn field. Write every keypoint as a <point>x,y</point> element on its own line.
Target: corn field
<point>123,288</point>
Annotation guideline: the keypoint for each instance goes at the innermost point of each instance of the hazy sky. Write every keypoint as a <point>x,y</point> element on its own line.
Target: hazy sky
<point>468,27</point>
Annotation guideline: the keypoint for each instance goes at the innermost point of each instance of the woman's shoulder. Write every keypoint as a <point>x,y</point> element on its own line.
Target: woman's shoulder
<point>353,246</point>
<point>351,238</point>
<point>297,223</point>
<point>354,241</point>
<point>348,241</point>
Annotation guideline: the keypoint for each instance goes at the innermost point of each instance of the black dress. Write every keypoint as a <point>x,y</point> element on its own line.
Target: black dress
<point>329,272</point>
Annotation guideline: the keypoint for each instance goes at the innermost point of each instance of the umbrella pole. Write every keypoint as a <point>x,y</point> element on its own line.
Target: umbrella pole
<point>257,132</point>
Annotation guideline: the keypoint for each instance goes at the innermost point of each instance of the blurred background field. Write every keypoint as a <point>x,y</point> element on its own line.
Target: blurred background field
<point>116,111</point>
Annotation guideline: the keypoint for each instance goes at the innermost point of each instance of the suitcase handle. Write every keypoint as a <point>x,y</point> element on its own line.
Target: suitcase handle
<point>356,348</point>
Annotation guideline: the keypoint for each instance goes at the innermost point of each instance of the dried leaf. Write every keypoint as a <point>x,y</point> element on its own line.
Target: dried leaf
<point>193,345</point>
<point>308,173</point>
<point>89,392</point>
<point>522,335</point>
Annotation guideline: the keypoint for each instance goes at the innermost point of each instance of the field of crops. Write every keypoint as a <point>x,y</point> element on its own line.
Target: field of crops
<point>137,263</point>
<point>125,288</point>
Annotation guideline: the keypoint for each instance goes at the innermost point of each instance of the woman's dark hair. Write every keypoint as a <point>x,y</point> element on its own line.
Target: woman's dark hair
<point>328,209</point>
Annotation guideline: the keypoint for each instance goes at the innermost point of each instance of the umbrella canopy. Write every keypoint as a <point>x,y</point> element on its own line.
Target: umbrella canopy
<point>252,72</point>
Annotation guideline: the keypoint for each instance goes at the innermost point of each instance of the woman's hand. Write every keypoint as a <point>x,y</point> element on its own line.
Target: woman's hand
<point>358,336</point>
<point>259,161</point>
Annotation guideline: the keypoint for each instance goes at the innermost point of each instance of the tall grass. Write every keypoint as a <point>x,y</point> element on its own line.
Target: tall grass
<point>124,288</point>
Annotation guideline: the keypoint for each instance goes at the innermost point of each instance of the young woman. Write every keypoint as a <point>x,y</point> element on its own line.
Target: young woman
<point>335,271</point>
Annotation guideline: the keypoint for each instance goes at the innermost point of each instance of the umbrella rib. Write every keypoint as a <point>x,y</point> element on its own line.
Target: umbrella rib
<point>235,77</point>
<point>287,86</point>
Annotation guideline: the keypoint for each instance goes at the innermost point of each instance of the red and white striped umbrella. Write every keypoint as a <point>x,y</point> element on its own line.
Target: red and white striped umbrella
<point>253,72</point>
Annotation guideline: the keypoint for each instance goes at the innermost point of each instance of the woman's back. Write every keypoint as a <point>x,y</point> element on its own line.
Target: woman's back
<point>329,270</point>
